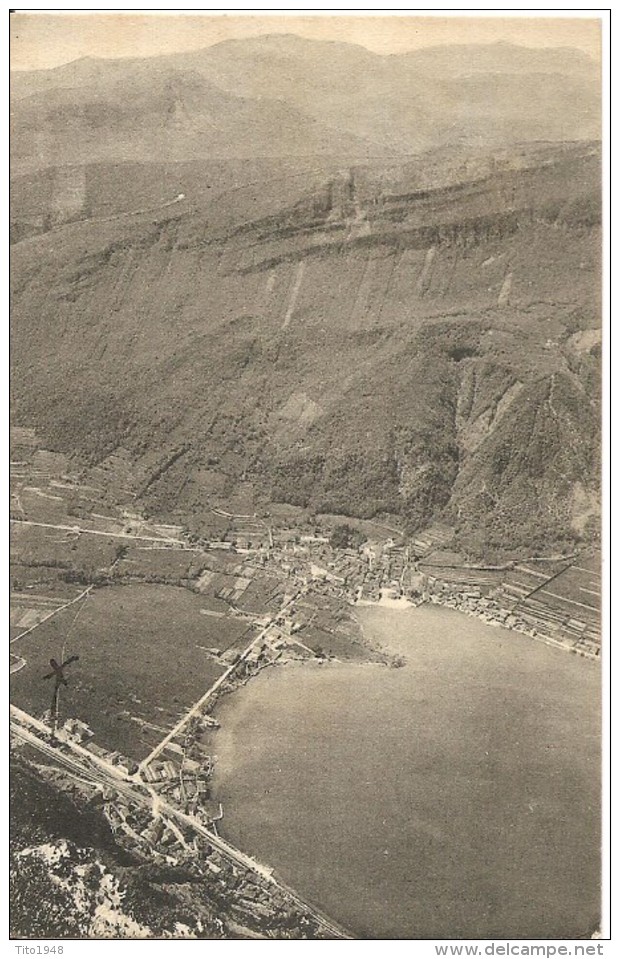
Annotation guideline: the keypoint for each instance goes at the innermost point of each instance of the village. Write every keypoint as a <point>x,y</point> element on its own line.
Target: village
<point>266,591</point>
<point>166,819</point>
<point>401,572</point>
<point>257,556</point>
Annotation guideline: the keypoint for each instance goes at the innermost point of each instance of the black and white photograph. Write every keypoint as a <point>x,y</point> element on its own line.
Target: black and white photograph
<point>307,341</point>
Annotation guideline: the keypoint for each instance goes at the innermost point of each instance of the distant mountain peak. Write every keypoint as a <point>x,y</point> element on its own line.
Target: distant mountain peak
<point>282,94</point>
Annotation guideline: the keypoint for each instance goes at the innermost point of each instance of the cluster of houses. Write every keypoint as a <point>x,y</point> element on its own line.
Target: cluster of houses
<point>157,772</point>
<point>254,897</point>
<point>190,769</point>
<point>268,652</point>
<point>132,825</point>
<point>79,732</point>
<point>540,623</point>
<point>126,766</point>
<point>350,573</point>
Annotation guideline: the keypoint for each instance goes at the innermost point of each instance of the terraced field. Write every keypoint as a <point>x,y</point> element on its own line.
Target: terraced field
<point>563,602</point>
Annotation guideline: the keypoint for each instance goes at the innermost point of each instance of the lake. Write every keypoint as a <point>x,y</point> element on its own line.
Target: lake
<point>455,797</point>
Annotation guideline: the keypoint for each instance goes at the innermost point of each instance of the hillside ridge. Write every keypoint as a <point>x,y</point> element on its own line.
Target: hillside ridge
<point>263,350</point>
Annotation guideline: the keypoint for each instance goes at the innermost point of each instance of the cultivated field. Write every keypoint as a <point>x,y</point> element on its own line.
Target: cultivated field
<point>47,546</point>
<point>143,659</point>
<point>152,561</point>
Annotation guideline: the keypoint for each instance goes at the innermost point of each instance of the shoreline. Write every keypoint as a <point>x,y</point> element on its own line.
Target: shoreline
<point>387,602</point>
<point>236,757</point>
<point>484,616</point>
<point>487,618</point>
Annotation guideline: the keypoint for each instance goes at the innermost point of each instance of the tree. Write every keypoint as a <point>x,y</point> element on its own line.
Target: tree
<point>346,537</point>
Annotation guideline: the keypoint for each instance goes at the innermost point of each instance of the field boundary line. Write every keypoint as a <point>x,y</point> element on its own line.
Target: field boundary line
<point>198,706</point>
<point>99,532</point>
<point>53,613</point>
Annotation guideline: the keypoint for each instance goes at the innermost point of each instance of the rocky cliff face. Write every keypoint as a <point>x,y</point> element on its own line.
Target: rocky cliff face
<point>405,339</point>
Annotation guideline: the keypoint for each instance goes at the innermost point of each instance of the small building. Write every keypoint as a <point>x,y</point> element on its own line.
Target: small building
<point>128,766</point>
<point>154,831</point>
<point>230,656</point>
<point>191,766</point>
<point>78,730</point>
<point>151,773</point>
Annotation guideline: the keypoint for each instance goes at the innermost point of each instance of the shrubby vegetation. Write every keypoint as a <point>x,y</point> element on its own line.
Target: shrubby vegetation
<point>381,396</point>
<point>346,537</point>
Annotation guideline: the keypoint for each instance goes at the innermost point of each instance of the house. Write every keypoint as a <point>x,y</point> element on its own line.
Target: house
<point>128,767</point>
<point>78,730</point>
<point>125,765</point>
<point>191,766</point>
<point>154,772</point>
<point>154,831</point>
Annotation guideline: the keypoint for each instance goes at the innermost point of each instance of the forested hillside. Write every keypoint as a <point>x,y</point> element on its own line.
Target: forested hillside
<point>420,339</point>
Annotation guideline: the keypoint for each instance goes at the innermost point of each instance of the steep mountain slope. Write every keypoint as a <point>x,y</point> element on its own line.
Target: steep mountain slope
<point>233,189</point>
<point>407,341</point>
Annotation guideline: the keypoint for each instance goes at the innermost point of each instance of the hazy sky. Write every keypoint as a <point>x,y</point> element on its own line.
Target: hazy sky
<point>47,40</point>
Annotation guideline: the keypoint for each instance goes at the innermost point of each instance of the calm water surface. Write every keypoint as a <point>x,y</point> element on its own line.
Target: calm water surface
<point>455,797</point>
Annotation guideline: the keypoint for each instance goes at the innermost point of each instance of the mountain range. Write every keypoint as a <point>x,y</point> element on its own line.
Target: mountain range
<point>283,96</point>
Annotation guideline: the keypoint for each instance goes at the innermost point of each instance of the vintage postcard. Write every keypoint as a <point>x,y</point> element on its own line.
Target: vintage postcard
<point>305,623</point>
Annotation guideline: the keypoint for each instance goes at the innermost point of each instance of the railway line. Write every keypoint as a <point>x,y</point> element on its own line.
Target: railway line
<point>80,762</point>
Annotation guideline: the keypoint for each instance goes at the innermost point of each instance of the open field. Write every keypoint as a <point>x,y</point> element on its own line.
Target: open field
<point>45,505</point>
<point>30,605</point>
<point>46,546</point>
<point>582,609</point>
<point>590,563</point>
<point>334,645</point>
<point>142,652</point>
<point>263,593</point>
<point>559,600</point>
<point>574,591</point>
<point>578,586</point>
<point>153,561</point>
<point>380,529</point>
